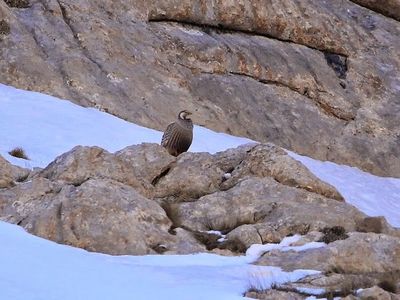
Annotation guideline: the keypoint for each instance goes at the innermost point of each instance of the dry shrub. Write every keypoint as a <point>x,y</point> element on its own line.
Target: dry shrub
<point>18,152</point>
<point>332,234</point>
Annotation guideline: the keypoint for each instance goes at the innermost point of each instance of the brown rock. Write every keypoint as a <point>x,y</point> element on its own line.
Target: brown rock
<point>390,8</point>
<point>377,225</point>
<point>104,216</point>
<point>276,210</point>
<point>344,256</point>
<point>376,293</point>
<point>9,174</point>
<point>136,166</point>
<point>193,176</point>
<point>269,160</point>
<point>246,234</point>
<point>274,295</point>
<point>21,201</point>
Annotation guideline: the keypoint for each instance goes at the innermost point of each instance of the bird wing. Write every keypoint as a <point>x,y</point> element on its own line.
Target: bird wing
<point>167,134</point>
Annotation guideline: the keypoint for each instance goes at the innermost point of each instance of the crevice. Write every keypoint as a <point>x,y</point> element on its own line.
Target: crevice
<point>260,236</point>
<point>384,13</point>
<point>161,175</point>
<point>338,63</point>
<point>59,214</point>
<point>271,82</point>
<point>326,108</point>
<point>75,34</point>
<point>221,29</point>
<point>74,232</point>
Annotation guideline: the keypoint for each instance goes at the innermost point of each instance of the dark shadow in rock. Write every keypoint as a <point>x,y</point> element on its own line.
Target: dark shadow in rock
<point>4,27</point>
<point>338,63</point>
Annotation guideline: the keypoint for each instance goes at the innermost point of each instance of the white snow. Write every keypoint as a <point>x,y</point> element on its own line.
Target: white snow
<point>257,250</point>
<point>310,291</point>
<point>219,233</point>
<point>34,268</point>
<point>373,195</point>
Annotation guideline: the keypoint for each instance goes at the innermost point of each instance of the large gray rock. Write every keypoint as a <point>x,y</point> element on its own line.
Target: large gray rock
<point>275,210</point>
<point>282,73</point>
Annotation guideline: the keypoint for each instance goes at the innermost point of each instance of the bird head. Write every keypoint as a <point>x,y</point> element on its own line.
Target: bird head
<point>183,114</point>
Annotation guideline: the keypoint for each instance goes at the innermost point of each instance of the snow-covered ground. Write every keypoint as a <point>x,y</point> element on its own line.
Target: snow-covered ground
<point>36,269</point>
<point>33,268</point>
<point>373,195</point>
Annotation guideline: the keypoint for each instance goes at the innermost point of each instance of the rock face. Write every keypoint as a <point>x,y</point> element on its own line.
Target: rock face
<point>281,72</point>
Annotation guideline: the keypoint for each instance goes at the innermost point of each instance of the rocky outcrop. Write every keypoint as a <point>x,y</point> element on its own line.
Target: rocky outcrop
<point>141,200</point>
<point>279,72</point>
<point>361,261</point>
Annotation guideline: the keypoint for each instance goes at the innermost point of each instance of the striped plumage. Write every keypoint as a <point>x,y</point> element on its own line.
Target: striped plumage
<point>178,136</point>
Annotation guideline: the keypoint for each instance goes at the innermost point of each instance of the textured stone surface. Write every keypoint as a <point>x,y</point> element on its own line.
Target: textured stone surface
<point>272,161</point>
<point>276,210</point>
<point>272,71</point>
<point>9,174</point>
<point>136,166</point>
<point>390,8</point>
<point>344,256</point>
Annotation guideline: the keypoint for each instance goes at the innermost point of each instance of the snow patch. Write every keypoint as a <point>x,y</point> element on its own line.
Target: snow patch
<point>373,195</point>
<point>256,250</point>
<point>34,268</point>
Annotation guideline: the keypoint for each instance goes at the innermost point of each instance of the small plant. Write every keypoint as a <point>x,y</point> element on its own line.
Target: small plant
<point>18,152</point>
<point>332,234</point>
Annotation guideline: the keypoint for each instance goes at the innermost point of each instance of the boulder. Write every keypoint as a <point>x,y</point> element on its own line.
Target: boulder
<point>361,253</point>
<point>268,160</point>
<point>274,209</point>
<point>10,174</point>
<point>376,293</point>
<point>104,216</point>
<point>136,166</point>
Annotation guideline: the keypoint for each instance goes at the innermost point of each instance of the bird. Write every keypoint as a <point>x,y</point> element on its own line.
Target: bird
<point>178,136</point>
